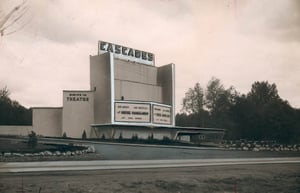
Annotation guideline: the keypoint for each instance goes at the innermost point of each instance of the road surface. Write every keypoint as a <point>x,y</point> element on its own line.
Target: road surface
<point>135,164</point>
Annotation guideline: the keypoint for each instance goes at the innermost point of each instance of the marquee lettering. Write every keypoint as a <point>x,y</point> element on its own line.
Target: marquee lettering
<point>123,50</point>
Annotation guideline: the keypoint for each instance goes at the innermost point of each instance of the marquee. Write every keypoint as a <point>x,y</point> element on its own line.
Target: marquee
<point>126,53</point>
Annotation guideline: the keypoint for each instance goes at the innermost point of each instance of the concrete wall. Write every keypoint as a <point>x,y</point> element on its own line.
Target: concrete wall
<point>114,80</point>
<point>78,113</point>
<point>22,130</point>
<point>137,91</point>
<point>126,70</point>
<point>100,83</point>
<point>47,121</point>
<point>166,78</point>
<point>195,136</point>
<point>110,79</point>
<point>134,81</point>
<point>128,132</point>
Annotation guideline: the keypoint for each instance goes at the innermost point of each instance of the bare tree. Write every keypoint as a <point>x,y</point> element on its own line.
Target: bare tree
<point>8,22</point>
<point>4,92</point>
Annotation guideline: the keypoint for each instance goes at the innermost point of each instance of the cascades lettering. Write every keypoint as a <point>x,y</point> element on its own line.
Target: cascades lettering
<point>126,51</point>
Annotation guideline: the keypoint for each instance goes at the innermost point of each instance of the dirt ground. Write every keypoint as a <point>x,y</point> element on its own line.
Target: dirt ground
<point>268,178</point>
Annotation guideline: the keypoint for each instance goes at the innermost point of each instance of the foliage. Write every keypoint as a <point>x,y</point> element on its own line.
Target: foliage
<point>263,93</point>
<point>166,139</point>
<point>209,109</point>
<point>120,136</point>
<point>4,93</point>
<point>64,135</point>
<point>214,91</point>
<point>83,135</point>
<point>134,137</point>
<point>263,115</point>
<point>259,115</point>
<point>32,140</point>
<point>11,112</point>
<point>193,101</point>
<point>151,137</point>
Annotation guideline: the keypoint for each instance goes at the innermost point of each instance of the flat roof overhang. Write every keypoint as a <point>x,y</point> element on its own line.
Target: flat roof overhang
<point>186,129</point>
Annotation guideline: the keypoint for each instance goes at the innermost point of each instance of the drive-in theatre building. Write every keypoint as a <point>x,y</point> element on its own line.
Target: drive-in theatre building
<point>128,96</point>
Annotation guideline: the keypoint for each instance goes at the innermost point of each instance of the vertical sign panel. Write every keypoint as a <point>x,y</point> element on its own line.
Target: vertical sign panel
<point>161,115</point>
<point>132,112</point>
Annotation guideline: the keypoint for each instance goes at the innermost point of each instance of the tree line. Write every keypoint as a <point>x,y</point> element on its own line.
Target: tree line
<point>11,112</point>
<point>261,114</point>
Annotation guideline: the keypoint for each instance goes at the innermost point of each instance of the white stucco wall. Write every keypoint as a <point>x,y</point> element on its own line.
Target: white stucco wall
<point>19,130</point>
<point>111,80</point>
<point>128,132</point>
<point>78,112</point>
<point>136,81</point>
<point>136,72</point>
<point>100,82</point>
<point>137,91</point>
<point>47,121</point>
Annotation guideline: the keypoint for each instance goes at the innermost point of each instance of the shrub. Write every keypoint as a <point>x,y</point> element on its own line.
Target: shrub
<point>166,139</point>
<point>150,137</point>
<point>32,140</point>
<point>64,135</point>
<point>121,136</point>
<point>83,135</point>
<point>134,137</point>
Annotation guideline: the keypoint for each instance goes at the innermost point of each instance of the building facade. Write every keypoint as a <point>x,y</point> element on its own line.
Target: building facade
<point>128,96</point>
<point>131,93</point>
<point>126,89</point>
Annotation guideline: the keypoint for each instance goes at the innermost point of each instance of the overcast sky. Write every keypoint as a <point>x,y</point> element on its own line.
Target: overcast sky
<point>237,41</point>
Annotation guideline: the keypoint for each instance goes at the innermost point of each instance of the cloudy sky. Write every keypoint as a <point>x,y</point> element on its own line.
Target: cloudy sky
<point>238,41</point>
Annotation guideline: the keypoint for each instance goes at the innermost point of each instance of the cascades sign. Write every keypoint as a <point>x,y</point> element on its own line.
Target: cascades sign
<point>123,52</point>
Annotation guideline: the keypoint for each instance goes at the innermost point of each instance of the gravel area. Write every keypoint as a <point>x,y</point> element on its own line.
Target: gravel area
<point>12,150</point>
<point>83,157</point>
<point>271,178</point>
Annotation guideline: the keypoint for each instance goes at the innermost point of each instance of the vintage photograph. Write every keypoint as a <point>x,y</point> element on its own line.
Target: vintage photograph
<point>162,96</point>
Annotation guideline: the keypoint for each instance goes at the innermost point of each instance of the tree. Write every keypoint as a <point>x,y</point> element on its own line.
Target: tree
<point>209,110</point>
<point>265,102</point>
<point>262,93</point>
<point>258,115</point>
<point>193,107</point>
<point>64,135</point>
<point>8,21</point>
<point>83,135</point>
<point>150,137</point>
<point>32,140</point>
<point>4,92</point>
<point>134,137</point>
<point>201,119</point>
<point>11,112</point>
<point>243,116</point>
<point>120,136</point>
<point>263,115</point>
<point>219,101</point>
<point>193,101</point>
<point>213,90</point>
